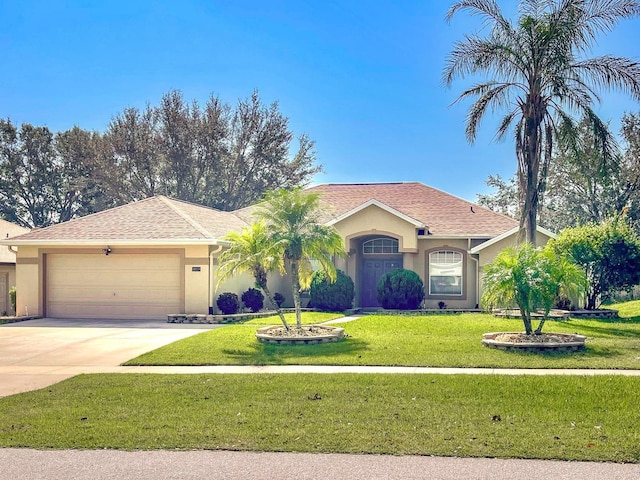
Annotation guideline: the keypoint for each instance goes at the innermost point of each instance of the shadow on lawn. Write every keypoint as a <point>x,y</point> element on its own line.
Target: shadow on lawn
<point>614,327</point>
<point>262,354</point>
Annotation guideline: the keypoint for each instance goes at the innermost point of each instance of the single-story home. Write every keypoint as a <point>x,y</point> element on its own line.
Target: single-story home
<point>158,256</point>
<point>8,264</point>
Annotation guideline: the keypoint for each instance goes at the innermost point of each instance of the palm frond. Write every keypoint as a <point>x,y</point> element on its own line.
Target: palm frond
<point>611,72</point>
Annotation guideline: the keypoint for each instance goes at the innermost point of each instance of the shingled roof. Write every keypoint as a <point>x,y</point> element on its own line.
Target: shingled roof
<point>442,213</point>
<point>8,230</point>
<point>156,219</point>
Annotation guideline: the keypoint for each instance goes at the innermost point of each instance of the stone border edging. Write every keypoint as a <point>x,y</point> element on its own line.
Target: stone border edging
<point>488,340</point>
<point>334,334</point>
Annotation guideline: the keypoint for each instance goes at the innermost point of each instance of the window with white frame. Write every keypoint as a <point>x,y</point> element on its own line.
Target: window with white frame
<point>380,246</point>
<point>445,272</point>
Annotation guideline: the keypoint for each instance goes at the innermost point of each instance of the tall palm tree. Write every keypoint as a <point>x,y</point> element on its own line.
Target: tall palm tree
<point>539,78</point>
<point>252,251</point>
<point>293,220</point>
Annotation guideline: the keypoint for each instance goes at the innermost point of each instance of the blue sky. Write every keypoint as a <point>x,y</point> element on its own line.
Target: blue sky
<point>361,78</point>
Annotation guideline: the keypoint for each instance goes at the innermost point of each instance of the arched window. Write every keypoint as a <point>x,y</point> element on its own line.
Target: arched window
<point>380,246</point>
<point>445,272</point>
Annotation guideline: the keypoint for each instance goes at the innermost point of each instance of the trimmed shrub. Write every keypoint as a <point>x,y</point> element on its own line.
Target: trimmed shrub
<point>400,289</point>
<point>228,303</point>
<point>253,299</point>
<point>331,296</point>
<point>279,299</point>
<point>12,296</point>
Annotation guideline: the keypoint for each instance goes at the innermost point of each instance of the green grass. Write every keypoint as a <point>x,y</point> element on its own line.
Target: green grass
<point>433,341</point>
<point>629,309</point>
<point>570,418</point>
<point>307,318</point>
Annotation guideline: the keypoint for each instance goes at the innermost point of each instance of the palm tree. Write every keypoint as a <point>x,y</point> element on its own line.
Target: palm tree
<point>538,76</point>
<point>530,279</point>
<point>293,220</point>
<point>252,251</point>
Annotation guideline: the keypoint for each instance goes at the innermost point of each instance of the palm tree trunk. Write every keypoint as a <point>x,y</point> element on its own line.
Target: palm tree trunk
<point>540,325</point>
<point>526,320</point>
<point>275,305</point>
<point>295,291</point>
<point>528,173</point>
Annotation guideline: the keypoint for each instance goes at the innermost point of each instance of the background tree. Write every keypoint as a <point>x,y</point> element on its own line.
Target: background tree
<point>252,251</point>
<point>609,254</point>
<point>293,221</point>
<point>81,155</point>
<point>32,180</point>
<point>583,186</point>
<point>539,78</point>
<point>530,279</point>
<point>134,167</point>
<point>216,155</point>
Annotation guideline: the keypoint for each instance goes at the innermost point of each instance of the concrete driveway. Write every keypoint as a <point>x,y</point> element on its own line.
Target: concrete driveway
<point>33,353</point>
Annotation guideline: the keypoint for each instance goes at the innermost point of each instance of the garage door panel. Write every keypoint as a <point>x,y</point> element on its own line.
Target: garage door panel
<point>114,286</point>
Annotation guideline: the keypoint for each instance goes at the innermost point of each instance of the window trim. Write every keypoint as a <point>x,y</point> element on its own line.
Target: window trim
<point>395,246</point>
<point>442,296</point>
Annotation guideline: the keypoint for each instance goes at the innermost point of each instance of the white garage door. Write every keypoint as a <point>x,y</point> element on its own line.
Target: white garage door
<point>112,286</point>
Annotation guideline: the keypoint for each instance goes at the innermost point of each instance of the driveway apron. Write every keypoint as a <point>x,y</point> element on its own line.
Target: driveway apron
<point>37,353</point>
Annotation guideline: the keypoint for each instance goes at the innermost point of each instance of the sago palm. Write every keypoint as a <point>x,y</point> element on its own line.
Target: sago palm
<point>252,251</point>
<point>293,220</point>
<point>537,75</point>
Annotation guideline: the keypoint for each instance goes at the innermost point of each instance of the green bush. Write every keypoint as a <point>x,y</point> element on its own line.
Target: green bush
<point>12,296</point>
<point>400,289</point>
<point>609,253</point>
<point>253,299</point>
<point>331,296</point>
<point>228,303</point>
<point>279,299</point>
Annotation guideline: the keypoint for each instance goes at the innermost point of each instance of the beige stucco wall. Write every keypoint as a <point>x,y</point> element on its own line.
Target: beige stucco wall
<point>373,220</point>
<point>196,283</point>
<point>417,261</point>
<point>488,254</point>
<point>240,283</point>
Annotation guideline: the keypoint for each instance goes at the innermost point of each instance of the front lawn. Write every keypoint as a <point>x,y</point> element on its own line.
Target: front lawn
<point>554,417</point>
<point>432,341</point>
<point>307,318</point>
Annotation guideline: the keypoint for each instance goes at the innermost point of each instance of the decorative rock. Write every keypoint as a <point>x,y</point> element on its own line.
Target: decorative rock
<point>564,342</point>
<point>328,334</point>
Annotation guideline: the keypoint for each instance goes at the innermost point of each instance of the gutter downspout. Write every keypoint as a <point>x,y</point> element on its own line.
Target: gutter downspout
<point>477,279</point>
<point>477,260</point>
<point>211,276</point>
<point>12,248</point>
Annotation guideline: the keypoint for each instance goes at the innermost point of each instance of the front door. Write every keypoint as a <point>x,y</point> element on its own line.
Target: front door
<point>372,271</point>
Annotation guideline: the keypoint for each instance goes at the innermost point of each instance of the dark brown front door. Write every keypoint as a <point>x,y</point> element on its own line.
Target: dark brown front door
<point>372,271</point>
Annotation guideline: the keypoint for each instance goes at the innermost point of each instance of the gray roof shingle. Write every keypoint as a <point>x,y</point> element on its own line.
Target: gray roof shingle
<point>156,218</point>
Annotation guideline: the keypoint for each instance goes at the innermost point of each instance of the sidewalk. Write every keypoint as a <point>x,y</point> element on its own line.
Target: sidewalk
<point>26,464</point>
<point>67,371</point>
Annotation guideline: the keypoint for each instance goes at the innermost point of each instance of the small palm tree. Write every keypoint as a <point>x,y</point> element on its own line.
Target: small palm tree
<point>530,279</point>
<point>293,221</point>
<point>252,251</point>
<point>538,77</point>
